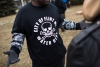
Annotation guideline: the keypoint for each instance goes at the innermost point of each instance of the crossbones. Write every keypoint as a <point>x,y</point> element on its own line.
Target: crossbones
<point>47,31</point>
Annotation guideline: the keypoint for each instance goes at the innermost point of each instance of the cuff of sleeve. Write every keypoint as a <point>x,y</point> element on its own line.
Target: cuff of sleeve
<point>15,49</point>
<point>78,27</point>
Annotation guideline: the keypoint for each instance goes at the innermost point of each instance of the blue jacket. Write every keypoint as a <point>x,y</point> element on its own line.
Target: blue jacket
<point>65,1</point>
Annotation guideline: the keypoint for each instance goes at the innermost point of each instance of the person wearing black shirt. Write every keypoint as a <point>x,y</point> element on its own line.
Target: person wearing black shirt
<point>39,21</point>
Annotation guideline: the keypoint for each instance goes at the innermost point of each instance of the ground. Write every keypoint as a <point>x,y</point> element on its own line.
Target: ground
<point>6,24</point>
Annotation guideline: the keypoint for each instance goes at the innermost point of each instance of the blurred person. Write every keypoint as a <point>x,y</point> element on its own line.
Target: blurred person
<point>67,3</point>
<point>84,49</point>
<point>61,8</point>
<point>39,21</point>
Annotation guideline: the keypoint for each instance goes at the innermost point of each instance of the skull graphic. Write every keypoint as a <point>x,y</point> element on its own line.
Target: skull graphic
<point>47,29</point>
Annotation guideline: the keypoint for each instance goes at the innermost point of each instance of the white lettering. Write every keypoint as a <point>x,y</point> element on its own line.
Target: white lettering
<point>44,42</point>
<point>35,28</point>
<point>39,38</point>
<point>40,20</point>
<point>54,40</point>
<point>52,20</point>
<point>49,42</point>
<point>46,18</point>
<point>37,23</point>
<point>41,41</point>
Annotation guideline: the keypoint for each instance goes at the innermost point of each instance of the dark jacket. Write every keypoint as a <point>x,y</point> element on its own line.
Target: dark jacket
<point>84,49</point>
<point>60,5</point>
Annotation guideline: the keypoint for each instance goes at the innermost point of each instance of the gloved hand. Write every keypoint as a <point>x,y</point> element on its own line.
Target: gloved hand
<point>69,25</point>
<point>84,25</point>
<point>12,57</point>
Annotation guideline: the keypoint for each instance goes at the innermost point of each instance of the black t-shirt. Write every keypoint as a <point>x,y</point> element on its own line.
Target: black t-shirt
<point>40,25</point>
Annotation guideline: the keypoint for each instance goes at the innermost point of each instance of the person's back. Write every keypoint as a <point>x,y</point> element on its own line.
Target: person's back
<point>60,5</point>
<point>84,49</point>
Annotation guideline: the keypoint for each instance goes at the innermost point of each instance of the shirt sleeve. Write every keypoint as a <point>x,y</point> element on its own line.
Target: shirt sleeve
<point>60,21</point>
<point>70,25</point>
<point>18,26</point>
<point>17,42</point>
<point>18,32</point>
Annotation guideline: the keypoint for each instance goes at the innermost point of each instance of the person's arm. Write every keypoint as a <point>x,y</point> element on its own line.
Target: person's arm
<point>70,25</point>
<point>17,42</point>
<point>91,9</point>
<point>15,49</point>
<point>18,31</point>
<point>18,35</point>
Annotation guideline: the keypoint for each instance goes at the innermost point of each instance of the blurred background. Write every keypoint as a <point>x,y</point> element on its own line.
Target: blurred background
<point>9,7</point>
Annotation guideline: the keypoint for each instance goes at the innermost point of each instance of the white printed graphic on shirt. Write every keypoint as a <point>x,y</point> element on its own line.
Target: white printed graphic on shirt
<point>47,31</point>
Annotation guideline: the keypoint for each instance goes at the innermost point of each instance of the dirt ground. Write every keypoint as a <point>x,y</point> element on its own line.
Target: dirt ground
<point>5,37</point>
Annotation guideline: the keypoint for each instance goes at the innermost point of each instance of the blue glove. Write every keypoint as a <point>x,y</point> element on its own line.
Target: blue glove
<point>12,57</point>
